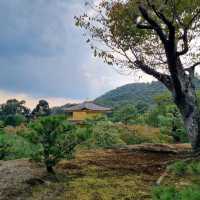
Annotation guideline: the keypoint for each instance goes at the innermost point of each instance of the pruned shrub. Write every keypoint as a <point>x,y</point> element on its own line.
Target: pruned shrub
<point>56,141</point>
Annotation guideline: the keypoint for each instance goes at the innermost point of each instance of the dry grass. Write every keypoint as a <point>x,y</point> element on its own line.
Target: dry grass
<point>112,174</point>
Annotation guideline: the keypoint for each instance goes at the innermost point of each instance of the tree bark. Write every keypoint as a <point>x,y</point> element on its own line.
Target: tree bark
<point>186,101</point>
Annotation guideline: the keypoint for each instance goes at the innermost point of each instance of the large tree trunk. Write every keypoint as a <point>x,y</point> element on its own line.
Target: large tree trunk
<point>186,100</point>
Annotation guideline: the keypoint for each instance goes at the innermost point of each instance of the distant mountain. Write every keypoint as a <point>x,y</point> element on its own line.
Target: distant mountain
<point>134,93</point>
<point>127,94</point>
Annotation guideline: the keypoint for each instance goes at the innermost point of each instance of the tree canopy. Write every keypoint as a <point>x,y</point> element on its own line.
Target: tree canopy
<point>135,33</point>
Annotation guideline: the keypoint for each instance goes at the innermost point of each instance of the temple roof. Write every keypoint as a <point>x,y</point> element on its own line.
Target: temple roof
<point>87,106</point>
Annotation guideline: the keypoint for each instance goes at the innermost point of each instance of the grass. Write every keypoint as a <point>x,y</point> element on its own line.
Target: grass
<point>96,184</point>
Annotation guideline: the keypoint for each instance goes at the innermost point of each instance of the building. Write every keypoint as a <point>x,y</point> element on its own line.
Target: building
<point>86,110</point>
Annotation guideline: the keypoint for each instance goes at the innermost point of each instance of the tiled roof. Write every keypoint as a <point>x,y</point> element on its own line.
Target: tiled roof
<point>87,106</point>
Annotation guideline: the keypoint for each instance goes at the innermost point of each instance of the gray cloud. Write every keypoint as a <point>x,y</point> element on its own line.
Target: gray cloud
<point>42,53</point>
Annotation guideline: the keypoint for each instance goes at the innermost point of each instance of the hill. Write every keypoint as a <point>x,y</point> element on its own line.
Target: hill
<point>127,94</point>
<point>134,93</point>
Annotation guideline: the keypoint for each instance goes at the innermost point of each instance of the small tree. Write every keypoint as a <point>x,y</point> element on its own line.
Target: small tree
<point>14,112</point>
<point>158,37</point>
<point>42,109</point>
<point>56,140</point>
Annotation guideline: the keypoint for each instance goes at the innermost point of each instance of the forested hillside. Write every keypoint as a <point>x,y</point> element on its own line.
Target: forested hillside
<point>134,93</point>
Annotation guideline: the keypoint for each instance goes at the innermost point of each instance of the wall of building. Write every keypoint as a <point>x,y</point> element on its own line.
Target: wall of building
<point>82,115</point>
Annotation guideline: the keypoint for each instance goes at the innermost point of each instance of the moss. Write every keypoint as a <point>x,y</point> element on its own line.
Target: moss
<point>97,184</point>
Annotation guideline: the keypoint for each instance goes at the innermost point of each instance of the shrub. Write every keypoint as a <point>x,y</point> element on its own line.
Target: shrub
<point>194,168</point>
<point>165,193</point>
<point>190,193</point>
<point>14,120</point>
<point>56,140</point>
<point>170,193</point>
<point>136,134</point>
<point>178,168</point>
<point>104,135</point>
<point>4,148</point>
<point>16,147</point>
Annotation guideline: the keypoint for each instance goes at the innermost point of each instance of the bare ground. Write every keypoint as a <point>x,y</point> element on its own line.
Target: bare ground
<point>126,173</point>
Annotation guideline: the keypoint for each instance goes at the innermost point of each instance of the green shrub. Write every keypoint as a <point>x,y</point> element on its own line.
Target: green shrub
<point>14,120</point>
<point>104,135</point>
<point>4,148</point>
<point>165,193</point>
<point>16,147</point>
<point>194,168</point>
<point>179,168</point>
<point>55,138</point>
<point>131,137</point>
<point>190,193</point>
<point>170,193</point>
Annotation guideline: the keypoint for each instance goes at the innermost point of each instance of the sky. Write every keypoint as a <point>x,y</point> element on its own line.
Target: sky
<point>43,55</point>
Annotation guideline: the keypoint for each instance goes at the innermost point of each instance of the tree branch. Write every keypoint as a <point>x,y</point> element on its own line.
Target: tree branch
<point>142,26</point>
<point>164,78</point>
<point>185,43</point>
<point>192,68</point>
<point>153,23</point>
<point>160,15</point>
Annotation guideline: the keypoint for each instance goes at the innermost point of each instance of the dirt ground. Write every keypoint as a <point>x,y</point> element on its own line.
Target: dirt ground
<point>110,174</point>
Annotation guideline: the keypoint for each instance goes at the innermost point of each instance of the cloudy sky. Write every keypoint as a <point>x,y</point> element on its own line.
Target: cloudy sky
<point>43,54</point>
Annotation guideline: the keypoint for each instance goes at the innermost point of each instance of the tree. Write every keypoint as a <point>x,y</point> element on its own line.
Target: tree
<point>167,116</point>
<point>157,37</point>
<point>13,112</point>
<point>125,114</point>
<point>56,139</point>
<point>42,109</point>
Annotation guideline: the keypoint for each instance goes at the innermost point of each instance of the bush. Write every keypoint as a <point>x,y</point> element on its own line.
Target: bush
<point>136,134</point>
<point>165,193</point>
<point>104,135</point>
<point>14,120</point>
<point>55,139</point>
<point>190,193</point>
<point>178,168</point>
<point>170,193</point>
<point>194,168</point>
<point>16,147</point>
<point>4,148</point>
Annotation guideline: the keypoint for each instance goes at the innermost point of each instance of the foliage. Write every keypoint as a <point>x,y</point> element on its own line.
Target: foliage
<point>167,116</point>
<point>15,147</point>
<point>41,110</point>
<point>165,193</point>
<point>132,94</point>
<point>170,193</point>
<point>14,120</point>
<point>103,135</point>
<point>179,168</point>
<point>137,93</point>
<point>194,168</point>
<point>136,30</point>
<point>136,134</point>
<point>4,148</point>
<point>13,112</point>
<point>155,37</point>
<point>56,140</point>
<point>125,114</point>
